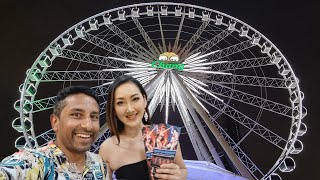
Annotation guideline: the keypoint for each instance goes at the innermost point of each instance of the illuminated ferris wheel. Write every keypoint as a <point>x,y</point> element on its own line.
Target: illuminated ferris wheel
<point>231,87</point>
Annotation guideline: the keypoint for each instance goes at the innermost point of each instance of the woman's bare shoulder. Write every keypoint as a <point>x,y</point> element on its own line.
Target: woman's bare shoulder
<point>107,145</point>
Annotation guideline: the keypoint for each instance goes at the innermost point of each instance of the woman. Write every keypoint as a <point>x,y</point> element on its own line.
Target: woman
<point>124,151</point>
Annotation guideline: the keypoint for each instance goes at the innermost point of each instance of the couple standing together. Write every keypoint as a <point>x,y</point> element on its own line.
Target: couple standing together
<point>75,120</point>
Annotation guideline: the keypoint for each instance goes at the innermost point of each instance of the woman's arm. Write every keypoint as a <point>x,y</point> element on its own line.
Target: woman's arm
<point>110,172</point>
<point>103,152</point>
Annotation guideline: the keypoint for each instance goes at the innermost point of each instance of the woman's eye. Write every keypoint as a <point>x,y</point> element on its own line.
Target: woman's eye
<point>136,99</point>
<point>119,103</point>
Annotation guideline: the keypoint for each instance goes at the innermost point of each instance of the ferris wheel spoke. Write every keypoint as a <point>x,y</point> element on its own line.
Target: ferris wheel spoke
<point>104,133</point>
<point>175,47</point>
<point>47,136</point>
<point>142,74</point>
<point>164,46</point>
<point>131,42</point>
<point>250,99</point>
<point>53,76</point>
<point>246,80</point>
<point>231,50</point>
<point>197,143</point>
<point>242,64</point>
<point>246,121</point>
<point>47,103</point>
<point>250,165</point>
<point>185,50</point>
<point>188,117</point>
<point>103,108</point>
<point>157,94</point>
<point>212,42</point>
<point>42,104</point>
<point>152,47</point>
<point>112,48</point>
<point>90,58</point>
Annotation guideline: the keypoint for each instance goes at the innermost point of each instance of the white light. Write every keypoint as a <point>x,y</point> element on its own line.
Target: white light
<point>208,72</point>
<point>154,100</point>
<point>173,96</point>
<point>128,69</point>
<point>192,88</point>
<point>190,82</point>
<point>147,79</point>
<point>202,56</point>
<point>208,92</point>
<point>198,68</point>
<point>200,103</point>
<point>197,81</point>
<point>141,74</point>
<point>129,61</point>
<point>198,61</point>
<point>135,66</point>
<point>104,84</point>
<point>205,64</point>
<point>192,56</point>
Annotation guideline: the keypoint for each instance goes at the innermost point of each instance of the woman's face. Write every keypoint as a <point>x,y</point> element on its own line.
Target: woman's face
<point>129,104</point>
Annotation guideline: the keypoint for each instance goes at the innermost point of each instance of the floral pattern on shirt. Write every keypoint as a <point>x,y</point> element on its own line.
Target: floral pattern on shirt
<point>49,162</point>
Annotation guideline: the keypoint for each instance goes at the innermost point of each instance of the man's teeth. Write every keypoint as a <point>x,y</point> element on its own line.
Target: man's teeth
<point>83,135</point>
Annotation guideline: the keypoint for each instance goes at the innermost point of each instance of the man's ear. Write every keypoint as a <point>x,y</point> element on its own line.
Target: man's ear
<point>54,121</point>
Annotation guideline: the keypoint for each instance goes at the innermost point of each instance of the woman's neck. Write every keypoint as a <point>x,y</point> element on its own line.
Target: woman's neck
<point>132,132</point>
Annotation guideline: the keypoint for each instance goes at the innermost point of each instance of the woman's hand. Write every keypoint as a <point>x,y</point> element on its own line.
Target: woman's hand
<point>170,172</point>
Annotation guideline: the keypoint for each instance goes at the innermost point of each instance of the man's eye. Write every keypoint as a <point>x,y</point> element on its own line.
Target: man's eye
<point>77,115</point>
<point>96,117</point>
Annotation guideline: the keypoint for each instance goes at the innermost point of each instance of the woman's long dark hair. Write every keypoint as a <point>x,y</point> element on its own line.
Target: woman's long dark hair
<point>114,124</point>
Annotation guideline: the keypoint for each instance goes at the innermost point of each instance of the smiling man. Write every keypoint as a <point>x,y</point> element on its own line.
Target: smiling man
<point>75,120</point>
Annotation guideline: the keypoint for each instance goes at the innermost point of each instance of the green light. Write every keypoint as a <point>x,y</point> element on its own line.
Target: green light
<point>31,90</point>
<point>16,124</point>
<point>167,65</point>
<point>27,107</point>
<point>20,142</point>
<point>45,61</point>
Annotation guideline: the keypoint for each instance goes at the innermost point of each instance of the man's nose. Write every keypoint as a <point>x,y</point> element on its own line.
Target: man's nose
<point>87,123</point>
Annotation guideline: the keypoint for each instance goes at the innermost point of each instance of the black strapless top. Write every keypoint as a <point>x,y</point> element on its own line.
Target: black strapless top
<point>134,171</point>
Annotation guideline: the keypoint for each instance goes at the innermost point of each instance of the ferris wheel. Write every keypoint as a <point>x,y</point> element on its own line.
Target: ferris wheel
<point>230,87</point>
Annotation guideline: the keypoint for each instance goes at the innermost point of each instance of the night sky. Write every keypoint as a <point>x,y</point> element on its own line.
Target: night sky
<point>27,27</point>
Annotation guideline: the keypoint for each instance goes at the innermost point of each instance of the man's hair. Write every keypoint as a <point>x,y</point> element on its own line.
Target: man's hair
<point>64,93</point>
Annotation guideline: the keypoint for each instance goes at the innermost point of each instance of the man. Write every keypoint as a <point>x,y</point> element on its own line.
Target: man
<point>75,120</point>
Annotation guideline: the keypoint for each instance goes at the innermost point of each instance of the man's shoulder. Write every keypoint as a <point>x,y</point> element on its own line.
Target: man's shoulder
<point>91,154</point>
<point>38,152</point>
<point>24,156</point>
<point>93,157</point>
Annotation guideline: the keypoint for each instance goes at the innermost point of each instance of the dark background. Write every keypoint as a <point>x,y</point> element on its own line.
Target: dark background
<point>27,27</point>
